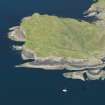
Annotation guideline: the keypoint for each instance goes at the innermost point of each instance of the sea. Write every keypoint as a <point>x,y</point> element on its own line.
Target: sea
<point>23,86</point>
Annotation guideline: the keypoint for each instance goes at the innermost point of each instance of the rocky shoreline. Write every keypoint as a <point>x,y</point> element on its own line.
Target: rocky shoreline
<point>84,69</point>
<point>77,68</point>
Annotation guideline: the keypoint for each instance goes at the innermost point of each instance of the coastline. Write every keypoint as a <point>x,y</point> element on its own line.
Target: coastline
<point>80,67</point>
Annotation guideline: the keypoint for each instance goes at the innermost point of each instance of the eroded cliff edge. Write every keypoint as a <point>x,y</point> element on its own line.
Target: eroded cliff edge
<point>82,66</point>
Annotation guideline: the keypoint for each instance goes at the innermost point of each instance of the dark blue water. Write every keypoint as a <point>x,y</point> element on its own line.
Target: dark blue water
<point>20,86</point>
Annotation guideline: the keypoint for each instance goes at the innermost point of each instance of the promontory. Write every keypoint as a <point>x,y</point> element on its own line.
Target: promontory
<point>58,43</point>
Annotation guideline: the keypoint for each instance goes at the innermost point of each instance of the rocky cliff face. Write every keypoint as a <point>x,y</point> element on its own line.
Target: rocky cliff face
<point>79,68</point>
<point>97,12</point>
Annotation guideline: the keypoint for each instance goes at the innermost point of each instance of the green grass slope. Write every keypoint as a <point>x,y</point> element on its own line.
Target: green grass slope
<point>100,3</point>
<point>63,37</point>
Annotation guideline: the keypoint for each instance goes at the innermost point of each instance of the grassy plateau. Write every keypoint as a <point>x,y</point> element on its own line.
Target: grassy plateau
<point>63,37</point>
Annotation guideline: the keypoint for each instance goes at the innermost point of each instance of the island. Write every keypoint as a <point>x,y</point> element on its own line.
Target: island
<point>58,43</point>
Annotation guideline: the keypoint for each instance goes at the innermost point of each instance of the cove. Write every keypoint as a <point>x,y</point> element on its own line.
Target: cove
<point>21,86</point>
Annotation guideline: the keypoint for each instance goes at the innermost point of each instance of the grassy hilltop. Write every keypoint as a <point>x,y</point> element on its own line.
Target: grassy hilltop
<point>63,37</point>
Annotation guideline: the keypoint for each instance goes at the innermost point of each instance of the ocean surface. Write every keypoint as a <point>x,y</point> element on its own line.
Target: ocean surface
<point>21,86</point>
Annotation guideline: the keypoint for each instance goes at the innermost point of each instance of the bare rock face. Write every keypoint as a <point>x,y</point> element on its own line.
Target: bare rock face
<point>86,75</point>
<point>94,74</point>
<point>26,55</point>
<point>97,11</point>
<point>17,34</point>
<point>75,75</point>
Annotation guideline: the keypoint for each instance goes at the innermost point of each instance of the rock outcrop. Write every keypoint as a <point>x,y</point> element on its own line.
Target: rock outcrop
<point>84,69</point>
